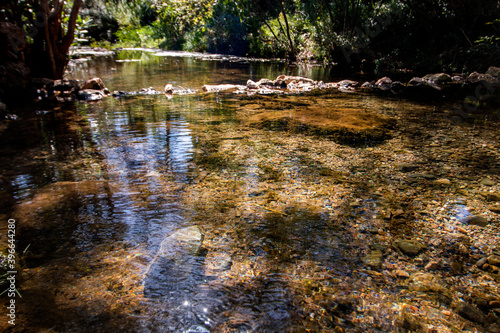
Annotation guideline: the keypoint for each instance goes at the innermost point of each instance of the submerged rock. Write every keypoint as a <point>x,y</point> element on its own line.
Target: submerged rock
<point>90,95</point>
<point>176,264</point>
<point>373,259</point>
<point>476,220</point>
<point>490,196</point>
<point>469,311</point>
<point>409,247</point>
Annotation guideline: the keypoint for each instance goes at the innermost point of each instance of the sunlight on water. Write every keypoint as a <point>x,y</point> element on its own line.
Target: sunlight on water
<point>211,212</point>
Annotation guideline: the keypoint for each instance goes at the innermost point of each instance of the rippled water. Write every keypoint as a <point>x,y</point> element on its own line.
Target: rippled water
<point>110,198</point>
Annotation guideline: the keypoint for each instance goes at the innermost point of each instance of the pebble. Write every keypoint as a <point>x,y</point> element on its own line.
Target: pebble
<point>487,182</point>
<point>373,259</point>
<point>494,304</point>
<point>402,273</point>
<point>481,262</point>
<point>443,181</point>
<point>476,220</point>
<point>470,312</point>
<point>432,266</point>
<point>494,208</point>
<point>494,260</point>
<point>490,196</point>
<point>409,247</point>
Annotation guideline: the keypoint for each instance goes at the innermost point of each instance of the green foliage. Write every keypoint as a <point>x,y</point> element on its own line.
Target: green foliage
<point>397,32</point>
<point>138,37</point>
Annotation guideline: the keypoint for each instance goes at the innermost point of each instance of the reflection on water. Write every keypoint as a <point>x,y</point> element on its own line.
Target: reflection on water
<point>148,214</point>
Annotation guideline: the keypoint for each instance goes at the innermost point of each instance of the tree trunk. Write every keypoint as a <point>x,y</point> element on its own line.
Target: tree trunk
<point>50,45</point>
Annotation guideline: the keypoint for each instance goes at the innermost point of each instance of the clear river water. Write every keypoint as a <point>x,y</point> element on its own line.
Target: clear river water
<point>150,213</point>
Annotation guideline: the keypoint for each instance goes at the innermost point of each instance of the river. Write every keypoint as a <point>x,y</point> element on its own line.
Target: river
<point>150,213</point>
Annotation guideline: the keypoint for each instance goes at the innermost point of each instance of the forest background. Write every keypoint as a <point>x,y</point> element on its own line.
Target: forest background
<point>454,36</point>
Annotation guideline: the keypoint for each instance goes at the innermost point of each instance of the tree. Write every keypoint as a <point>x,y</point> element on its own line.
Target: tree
<point>49,28</point>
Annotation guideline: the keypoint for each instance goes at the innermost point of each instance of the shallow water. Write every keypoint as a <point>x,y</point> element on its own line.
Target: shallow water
<point>285,218</point>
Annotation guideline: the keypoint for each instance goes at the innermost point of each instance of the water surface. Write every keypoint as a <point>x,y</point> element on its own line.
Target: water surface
<point>285,219</point>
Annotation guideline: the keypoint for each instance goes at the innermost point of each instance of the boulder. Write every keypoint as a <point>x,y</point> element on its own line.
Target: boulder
<point>90,95</point>
<point>252,85</point>
<point>384,83</point>
<point>169,89</point>
<point>288,79</point>
<point>62,85</point>
<point>493,71</point>
<point>437,81</point>
<point>265,82</point>
<point>348,83</point>
<point>476,77</point>
<point>368,86</point>
<point>397,87</point>
<point>415,82</point>
<point>94,83</point>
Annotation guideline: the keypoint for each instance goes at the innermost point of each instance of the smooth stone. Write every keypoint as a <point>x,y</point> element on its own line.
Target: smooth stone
<point>494,208</point>
<point>494,260</point>
<point>487,182</point>
<point>409,247</point>
<point>169,89</point>
<point>432,266</point>
<point>252,85</point>
<point>348,83</point>
<point>402,274</point>
<point>481,262</point>
<point>90,95</point>
<point>220,87</point>
<point>490,196</point>
<point>443,181</point>
<point>183,241</point>
<point>408,167</point>
<point>373,259</point>
<point>476,220</point>
<point>470,312</point>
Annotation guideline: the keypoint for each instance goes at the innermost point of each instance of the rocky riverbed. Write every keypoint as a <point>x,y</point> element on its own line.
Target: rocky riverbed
<point>283,228</point>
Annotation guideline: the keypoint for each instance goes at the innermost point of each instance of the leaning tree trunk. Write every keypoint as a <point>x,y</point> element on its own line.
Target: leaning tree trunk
<point>49,51</point>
